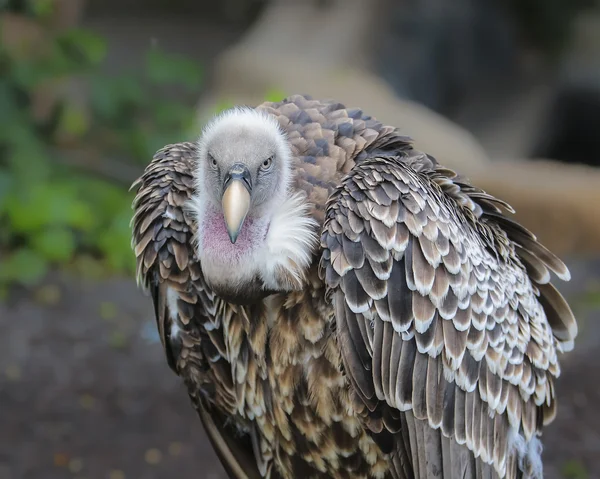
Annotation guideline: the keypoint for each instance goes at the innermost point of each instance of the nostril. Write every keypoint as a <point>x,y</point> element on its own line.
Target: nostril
<point>241,173</point>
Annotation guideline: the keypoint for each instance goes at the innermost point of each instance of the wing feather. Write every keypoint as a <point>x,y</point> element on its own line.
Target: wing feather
<point>419,392</point>
<point>185,308</point>
<point>403,386</point>
<point>466,325</point>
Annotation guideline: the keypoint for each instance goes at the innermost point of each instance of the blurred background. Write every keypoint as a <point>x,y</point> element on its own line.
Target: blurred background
<point>507,92</point>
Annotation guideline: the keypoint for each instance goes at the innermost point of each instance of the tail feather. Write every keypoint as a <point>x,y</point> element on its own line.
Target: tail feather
<point>422,452</point>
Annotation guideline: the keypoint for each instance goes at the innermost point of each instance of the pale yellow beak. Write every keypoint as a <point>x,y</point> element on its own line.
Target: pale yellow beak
<point>236,202</point>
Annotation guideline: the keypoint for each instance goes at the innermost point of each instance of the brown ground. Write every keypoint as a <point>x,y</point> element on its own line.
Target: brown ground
<point>85,391</point>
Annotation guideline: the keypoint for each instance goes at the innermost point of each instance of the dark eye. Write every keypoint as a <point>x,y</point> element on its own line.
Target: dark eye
<point>212,160</point>
<point>267,163</point>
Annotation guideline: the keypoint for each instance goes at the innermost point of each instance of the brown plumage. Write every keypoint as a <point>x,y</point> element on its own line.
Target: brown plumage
<point>420,340</point>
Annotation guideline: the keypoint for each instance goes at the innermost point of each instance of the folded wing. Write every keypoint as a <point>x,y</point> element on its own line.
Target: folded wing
<point>447,321</point>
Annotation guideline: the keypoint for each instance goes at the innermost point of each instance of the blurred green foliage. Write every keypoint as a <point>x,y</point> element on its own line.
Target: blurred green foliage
<point>574,470</point>
<point>52,213</point>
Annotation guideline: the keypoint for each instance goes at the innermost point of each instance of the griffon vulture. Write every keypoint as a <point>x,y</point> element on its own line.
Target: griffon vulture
<point>340,305</point>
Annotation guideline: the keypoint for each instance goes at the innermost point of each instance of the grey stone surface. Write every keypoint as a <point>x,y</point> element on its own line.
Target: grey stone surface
<point>84,382</point>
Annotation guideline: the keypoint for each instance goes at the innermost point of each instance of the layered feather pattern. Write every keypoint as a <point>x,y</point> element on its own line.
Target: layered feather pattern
<point>422,341</point>
<point>462,336</point>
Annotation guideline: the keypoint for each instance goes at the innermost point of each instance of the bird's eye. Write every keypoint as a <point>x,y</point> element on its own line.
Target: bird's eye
<point>267,163</point>
<point>212,160</point>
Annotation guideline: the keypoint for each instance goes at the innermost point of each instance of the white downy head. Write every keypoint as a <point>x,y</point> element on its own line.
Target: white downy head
<point>254,229</point>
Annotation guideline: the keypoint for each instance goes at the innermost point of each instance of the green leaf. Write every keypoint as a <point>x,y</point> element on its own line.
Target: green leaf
<point>163,68</point>
<point>84,45</point>
<point>73,120</point>
<point>115,243</point>
<point>5,184</point>
<point>41,8</point>
<point>55,244</point>
<point>8,107</point>
<point>139,143</point>
<point>59,215</point>
<point>169,114</point>
<point>27,74</point>
<point>27,156</point>
<point>108,199</point>
<point>574,469</point>
<point>222,105</point>
<point>48,204</point>
<point>108,310</point>
<point>3,291</point>
<point>88,267</point>
<point>79,215</point>
<point>118,340</point>
<point>23,266</point>
<point>275,95</point>
<point>24,215</point>
<point>112,98</point>
<point>48,295</point>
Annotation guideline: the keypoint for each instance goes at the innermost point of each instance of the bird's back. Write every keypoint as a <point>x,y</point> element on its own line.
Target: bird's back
<point>327,139</point>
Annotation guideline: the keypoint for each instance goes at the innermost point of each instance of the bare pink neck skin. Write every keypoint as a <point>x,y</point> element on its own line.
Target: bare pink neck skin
<point>215,241</point>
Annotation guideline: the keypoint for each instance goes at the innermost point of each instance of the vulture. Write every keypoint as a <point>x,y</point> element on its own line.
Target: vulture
<point>340,305</point>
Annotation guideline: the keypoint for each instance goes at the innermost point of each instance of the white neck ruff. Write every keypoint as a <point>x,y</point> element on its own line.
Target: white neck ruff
<point>280,261</point>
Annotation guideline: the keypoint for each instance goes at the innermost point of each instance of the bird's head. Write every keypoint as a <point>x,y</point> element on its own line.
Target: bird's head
<point>255,230</point>
<point>244,164</point>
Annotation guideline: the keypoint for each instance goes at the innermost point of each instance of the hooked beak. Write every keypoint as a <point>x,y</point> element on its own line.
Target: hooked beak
<point>236,199</point>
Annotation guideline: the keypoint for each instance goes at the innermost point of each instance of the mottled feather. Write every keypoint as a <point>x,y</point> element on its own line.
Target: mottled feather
<point>424,338</point>
<point>460,261</point>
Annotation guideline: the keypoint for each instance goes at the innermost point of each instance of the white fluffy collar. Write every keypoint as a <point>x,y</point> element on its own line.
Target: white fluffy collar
<point>280,262</point>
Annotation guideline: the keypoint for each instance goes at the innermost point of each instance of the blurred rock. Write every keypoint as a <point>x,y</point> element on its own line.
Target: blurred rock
<point>507,122</point>
<point>441,52</point>
<point>320,51</point>
<point>559,203</point>
<point>432,133</point>
<point>570,132</point>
